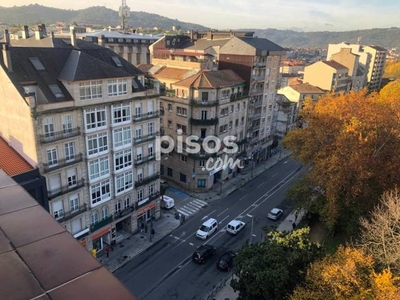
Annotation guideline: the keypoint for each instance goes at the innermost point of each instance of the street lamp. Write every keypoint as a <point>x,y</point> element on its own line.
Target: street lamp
<point>252,226</point>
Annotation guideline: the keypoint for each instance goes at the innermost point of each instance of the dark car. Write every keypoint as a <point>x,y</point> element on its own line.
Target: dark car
<point>203,253</point>
<point>226,261</point>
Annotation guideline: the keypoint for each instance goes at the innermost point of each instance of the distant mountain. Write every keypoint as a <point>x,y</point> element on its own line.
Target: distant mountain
<point>99,15</point>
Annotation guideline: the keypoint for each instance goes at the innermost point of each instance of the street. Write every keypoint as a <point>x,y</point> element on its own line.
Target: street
<point>166,270</point>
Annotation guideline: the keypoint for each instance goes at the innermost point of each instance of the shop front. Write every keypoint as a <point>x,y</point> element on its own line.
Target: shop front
<point>101,239</point>
<point>146,214</point>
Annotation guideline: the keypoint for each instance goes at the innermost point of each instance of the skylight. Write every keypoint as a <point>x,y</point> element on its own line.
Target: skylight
<point>116,61</point>
<point>56,91</point>
<point>37,63</point>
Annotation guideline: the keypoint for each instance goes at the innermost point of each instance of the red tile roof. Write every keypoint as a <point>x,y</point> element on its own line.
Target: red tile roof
<point>211,79</point>
<point>11,161</point>
<point>334,64</point>
<point>171,73</point>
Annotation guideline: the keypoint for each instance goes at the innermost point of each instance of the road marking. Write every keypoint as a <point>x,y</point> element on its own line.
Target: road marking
<point>285,162</point>
<point>191,244</point>
<point>274,175</point>
<point>205,217</point>
<point>222,212</point>
<point>223,219</point>
<point>260,184</point>
<point>204,203</point>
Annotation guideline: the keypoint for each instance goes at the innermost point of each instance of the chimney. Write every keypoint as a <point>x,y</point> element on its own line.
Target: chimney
<point>73,36</point>
<point>38,33</point>
<point>7,57</point>
<point>25,32</point>
<point>101,40</point>
<point>52,34</point>
<point>6,37</point>
<point>43,30</point>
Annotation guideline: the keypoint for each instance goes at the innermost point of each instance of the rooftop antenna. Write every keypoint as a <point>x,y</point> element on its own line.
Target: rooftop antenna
<point>124,13</point>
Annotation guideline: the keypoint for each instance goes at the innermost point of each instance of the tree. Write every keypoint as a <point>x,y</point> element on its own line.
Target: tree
<point>271,269</point>
<point>347,274</point>
<point>352,142</point>
<point>392,70</point>
<point>380,233</point>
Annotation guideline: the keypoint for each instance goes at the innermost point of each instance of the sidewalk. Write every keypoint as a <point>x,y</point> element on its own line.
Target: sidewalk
<point>137,243</point>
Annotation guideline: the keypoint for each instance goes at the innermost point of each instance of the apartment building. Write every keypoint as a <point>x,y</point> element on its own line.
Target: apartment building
<point>329,76</point>
<point>210,103</point>
<point>372,61</point>
<point>352,62</point>
<point>81,114</point>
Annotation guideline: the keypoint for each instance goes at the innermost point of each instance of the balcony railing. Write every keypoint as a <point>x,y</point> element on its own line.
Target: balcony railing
<point>255,115</point>
<point>239,96</point>
<point>98,225</point>
<point>144,160</point>
<point>65,189</point>
<point>62,163</point>
<point>202,155</point>
<point>145,201</point>
<point>145,138</point>
<point>59,135</point>
<point>260,64</point>
<point>241,154</point>
<point>147,180</point>
<point>257,103</point>
<point>170,93</point>
<point>204,103</point>
<point>146,116</point>
<point>124,212</point>
<point>71,214</point>
<point>257,91</point>
<point>204,122</point>
<point>241,142</point>
<point>259,78</point>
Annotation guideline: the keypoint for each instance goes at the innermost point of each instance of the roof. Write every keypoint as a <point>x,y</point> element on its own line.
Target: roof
<point>378,48</point>
<point>235,222</point>
<point>181,52</point>
<point>40,259</point>
<point>306,88</point>
<point>211,79</point>
<point>203,44</point>
<point>262,44</point>
<point>144,67</point>
<point>117,34</point>
<point>275,210</point>
<point>171,73</point>
<point>11,161</point>
<point>334,64</point>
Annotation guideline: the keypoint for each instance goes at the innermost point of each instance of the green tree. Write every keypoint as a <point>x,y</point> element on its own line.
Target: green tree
<point>271,269</point>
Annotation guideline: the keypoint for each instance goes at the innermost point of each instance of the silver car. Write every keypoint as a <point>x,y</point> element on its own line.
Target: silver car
<point>275,214</point>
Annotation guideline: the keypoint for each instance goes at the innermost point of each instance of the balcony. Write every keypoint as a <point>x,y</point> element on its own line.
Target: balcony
<point>253,140</point>
<point>62,163</point>
<point>241,142</point>
<point>241,154</point>
<point>126,211</point>
<point>144,160</point>
<point>239,96</point>
<point>260,64</point>
<point>145,201</point>
<point>170,93</point>
<point>147,180</point>
<point>102,223</point>
<point>257,91</point>
<point>59,135</point>
<point>65,189</point>
<point>145,138</point>
<point>203,103</point>
<point>255,115</point>
<point>258,78</point>
<point>257,103</point>
<point>204,122</point>
<point>146,116</point>
<point>202,155</point>
<point>71,214</point>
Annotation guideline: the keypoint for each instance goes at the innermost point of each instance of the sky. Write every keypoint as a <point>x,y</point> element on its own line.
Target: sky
<point>300,15</point>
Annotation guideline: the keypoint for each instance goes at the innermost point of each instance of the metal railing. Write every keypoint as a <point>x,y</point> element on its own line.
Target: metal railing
<point>98,225</point>
<point>147,180</point>
<point>216,288</point>
<point>145,138</point>
<point>213,121</point>
<point>71,214</point>
<point>194,102</point>
<point>239,96</point>
<point>59,135</point>
<point>146,116</point>
<point>65,189</point>
<point>62,163</point>
<point>144,160</point>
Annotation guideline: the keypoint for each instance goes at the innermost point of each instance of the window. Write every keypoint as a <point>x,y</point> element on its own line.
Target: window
<point>69,149</point>
<point>37,63</point>
<point>58,211</point>
<point>150,128</point>
<point>52,159</point>
<point>100,192</point>
<point>138,131</point>
<point>139,174</point>
<point>48,128</point>
<point>181,111</point>
<point>73,202</point>
<point>225,94</point>
<point>118,205</point>
<point>94,217</point>
<point>99,168</point>
<point>201,183</point>
<point>121,113</point>
<point>238,106</point>
<point>223,128</point>
<point>204,96</point>
<point>244,105</point>
<point>170,107</point>
<point>122,137</point>
<point>182,177</point>
<point>97,143</point>
<point>90,90</point>
<point>67,124</point>
<point>242,121</point>
<point>123,182</point>
<point>152,189</point>
<point>182,127</point>
<point>95,118</point>
<point>127,202</point>
<point>224,112</point>
<point>123,159</point>
<point>203,133</point>
<point>232,108</point>
<point>55,89</point>
<point>72,178</point>
<point>237,122</point>
<point>204,115</point>
<point>105,212</point>
<point>183,158</point>
<point>169,124</point>
<point>230,124</point>
<point>169,172</point>
<point>139,153</point>
<point>140,195</point>
<point>202,163</point>
<point>138,110</point>
<point>117,87</point>
<point>150,150</point>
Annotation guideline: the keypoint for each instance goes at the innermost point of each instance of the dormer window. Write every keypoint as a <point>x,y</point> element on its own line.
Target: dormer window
<point>55,89</point>
<point>116,61</point>
<point>37,63</point>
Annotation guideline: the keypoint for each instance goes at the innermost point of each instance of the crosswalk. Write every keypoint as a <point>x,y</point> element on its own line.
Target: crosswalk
<point>192,207</point>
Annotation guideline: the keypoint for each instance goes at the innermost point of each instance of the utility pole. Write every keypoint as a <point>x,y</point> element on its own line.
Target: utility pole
<point>252,226</point>
<point>124,13</point>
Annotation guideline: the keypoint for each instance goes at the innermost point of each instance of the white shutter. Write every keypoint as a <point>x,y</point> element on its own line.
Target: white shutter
<point>55,182</point>
<point>71,173</point>
<point>151,169</point>
<point>76,225</point>
<point>139,151</point>
<point>150,107</point>
<point>57,206</point>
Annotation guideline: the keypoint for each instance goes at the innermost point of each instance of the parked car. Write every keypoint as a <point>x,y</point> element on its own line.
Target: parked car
<point>207,229</point>
<point>167,202</point>
<point>226,261</point>
<point>275,214</point>
<point>203,253</point>
<point>235,226</point>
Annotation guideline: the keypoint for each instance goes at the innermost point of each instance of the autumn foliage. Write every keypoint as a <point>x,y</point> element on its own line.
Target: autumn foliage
<point>352,142</point>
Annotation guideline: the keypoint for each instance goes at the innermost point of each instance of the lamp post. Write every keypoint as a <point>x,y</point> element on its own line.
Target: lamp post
<point>252,226</point>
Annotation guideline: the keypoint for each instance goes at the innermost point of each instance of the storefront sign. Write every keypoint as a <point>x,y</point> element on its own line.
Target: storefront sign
<point>101,233</point>
<point>144,209</point>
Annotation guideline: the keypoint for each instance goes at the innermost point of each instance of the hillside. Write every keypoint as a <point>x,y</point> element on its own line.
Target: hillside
<point>100,15</point>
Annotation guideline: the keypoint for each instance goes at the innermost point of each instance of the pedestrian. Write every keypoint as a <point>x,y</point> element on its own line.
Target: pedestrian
<point>183,218</point>
<point>152,233</point>
<point>294,225</point>
<point>145,228</point>
<point>151,225</point>
<point>142,227</point>
<point>295,216</point>
<point>107,251</point>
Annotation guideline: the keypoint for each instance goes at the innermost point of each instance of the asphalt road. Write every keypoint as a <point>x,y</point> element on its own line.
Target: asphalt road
<point>166,270</point>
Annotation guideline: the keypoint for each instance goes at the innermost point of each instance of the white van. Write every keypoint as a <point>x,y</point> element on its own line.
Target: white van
<point>167,202</point>
<point>207,229</point>
<point>235,226</point>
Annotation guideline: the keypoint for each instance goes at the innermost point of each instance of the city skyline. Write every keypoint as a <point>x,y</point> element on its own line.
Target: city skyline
<point>309,15</point>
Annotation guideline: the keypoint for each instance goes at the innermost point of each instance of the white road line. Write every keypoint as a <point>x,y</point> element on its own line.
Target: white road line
<point>223,219</point>
<point>193,206</point>
<point>286,162</point>
<point>222,212</point>
<point>189,209</point>
<point>242,197</point>
<point>200,202</point>
<point>191,244</point>
<point>260,184</point>
<point>183,213</point>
